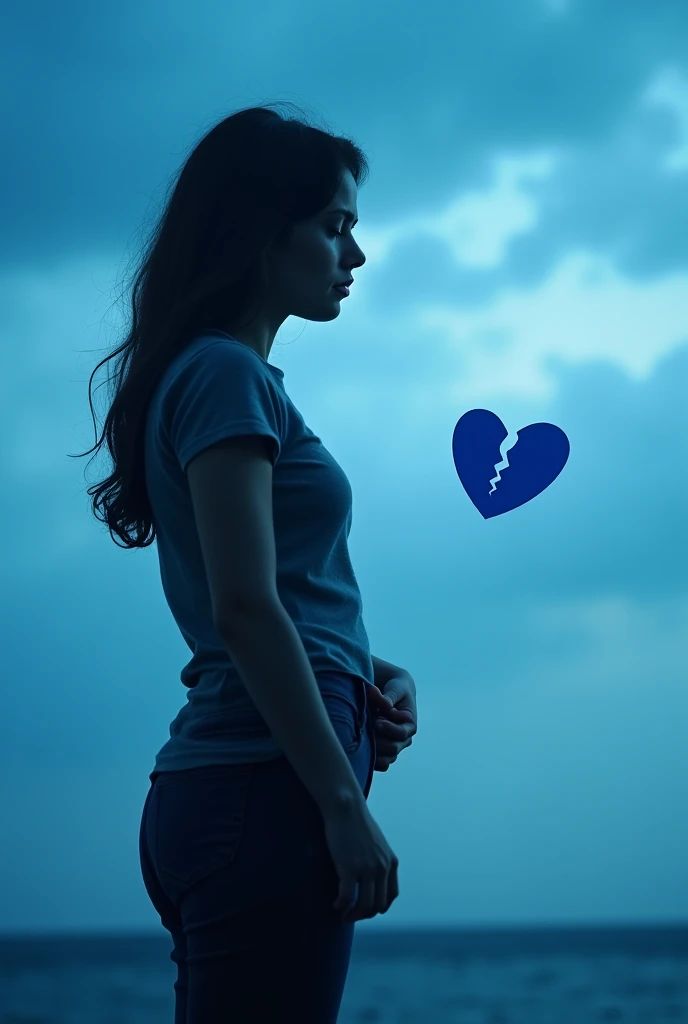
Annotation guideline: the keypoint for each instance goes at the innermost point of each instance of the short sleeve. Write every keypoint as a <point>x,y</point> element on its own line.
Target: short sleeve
<point>221,391</point>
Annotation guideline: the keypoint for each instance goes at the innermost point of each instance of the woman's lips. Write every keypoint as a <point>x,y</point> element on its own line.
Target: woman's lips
<point>341,288</point>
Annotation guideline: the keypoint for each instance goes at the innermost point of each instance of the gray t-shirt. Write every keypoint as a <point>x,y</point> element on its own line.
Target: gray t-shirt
<point>217,388</point>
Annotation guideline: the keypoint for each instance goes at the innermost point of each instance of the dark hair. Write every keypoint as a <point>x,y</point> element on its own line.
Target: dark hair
<point>244,186</point>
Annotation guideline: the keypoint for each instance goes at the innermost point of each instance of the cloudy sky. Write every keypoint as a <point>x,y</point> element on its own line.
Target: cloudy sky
<point>525,231</point>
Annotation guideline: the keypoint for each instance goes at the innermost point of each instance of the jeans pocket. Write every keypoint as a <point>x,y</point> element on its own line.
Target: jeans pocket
<point>199,821</point>
<point>346,721</point>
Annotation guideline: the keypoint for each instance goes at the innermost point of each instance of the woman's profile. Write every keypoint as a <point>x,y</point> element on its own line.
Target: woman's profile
<point>257,849</point>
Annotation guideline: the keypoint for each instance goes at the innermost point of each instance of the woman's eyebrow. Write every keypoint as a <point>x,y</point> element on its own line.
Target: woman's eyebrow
<point>347,214</point>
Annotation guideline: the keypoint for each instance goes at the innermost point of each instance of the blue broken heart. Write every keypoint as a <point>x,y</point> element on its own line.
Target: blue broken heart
<point>535,461</point>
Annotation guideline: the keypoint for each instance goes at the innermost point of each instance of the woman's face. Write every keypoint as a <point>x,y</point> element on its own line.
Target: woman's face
<point>320,254</point>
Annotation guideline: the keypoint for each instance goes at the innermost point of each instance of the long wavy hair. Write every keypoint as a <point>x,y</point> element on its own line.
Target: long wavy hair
<point>248,181</point>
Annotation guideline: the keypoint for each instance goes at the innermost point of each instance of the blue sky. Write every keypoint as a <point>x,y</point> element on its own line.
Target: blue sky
<point>524,227</point>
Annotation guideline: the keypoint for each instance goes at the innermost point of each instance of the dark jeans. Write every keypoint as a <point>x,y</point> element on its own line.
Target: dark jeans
<point>235,862</point>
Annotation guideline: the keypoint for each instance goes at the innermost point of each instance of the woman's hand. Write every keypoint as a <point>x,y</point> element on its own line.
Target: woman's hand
<point>396,718</point>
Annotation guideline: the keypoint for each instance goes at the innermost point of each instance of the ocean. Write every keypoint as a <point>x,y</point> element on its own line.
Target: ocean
<point>576,975</point>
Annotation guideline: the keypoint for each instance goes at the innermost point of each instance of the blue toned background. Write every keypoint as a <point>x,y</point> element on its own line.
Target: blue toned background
<point>525,229</point>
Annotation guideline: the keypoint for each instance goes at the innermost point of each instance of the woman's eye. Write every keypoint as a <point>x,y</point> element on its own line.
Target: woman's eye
<point>333,232</point>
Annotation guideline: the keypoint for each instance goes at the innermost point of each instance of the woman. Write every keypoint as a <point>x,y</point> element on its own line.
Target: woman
<point>257,849</point>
